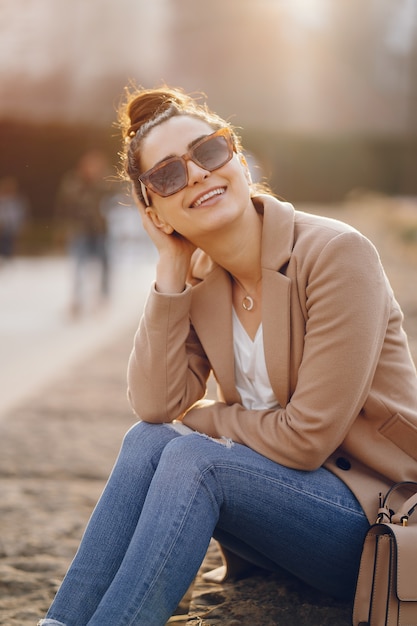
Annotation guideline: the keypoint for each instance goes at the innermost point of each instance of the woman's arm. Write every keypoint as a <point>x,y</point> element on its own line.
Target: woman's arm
<point>167,370</point>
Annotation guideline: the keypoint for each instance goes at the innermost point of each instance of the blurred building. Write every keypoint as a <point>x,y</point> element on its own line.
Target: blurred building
<point>324,90</point>
<point>307,66</point>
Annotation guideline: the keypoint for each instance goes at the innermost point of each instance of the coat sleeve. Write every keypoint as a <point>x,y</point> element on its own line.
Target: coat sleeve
<point>167,370</point>
<point>348,301</point>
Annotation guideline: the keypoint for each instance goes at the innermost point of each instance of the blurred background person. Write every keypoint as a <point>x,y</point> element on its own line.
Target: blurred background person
<point>13,212</point>
<point>81,204</point>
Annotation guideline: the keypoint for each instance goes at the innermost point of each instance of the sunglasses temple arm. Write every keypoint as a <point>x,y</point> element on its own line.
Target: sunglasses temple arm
<point>144,193</point>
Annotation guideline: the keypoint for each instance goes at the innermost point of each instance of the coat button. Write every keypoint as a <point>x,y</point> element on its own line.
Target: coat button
<point>343,463</point>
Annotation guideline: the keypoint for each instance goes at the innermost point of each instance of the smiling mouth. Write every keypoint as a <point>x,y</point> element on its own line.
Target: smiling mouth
<point>210,194</point>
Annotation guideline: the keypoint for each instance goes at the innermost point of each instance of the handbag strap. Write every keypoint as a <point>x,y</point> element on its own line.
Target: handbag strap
<point>404,512</point>
<point>386,514</point>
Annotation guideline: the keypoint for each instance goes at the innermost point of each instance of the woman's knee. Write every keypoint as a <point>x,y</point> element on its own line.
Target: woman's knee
<point>143,442</point>
<point>135,433</point>
<point>145,434</point>
<point>194,452</point>
<point>191,462</point>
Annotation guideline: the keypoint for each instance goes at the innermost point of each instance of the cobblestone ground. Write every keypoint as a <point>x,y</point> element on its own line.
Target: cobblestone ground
<point>57,448</point>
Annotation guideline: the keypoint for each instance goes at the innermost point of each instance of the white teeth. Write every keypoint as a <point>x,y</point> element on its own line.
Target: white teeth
<point>208,195</point>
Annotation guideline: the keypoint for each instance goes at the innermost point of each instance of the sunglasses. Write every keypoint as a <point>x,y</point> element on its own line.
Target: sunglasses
<point>171,175</point>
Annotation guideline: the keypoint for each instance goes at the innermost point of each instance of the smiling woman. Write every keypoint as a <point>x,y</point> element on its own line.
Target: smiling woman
<point>175,185</point>
<point>155,106</point>
<point>317,393</point>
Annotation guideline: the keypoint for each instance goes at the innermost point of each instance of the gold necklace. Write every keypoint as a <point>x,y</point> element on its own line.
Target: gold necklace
<point>248,302</point>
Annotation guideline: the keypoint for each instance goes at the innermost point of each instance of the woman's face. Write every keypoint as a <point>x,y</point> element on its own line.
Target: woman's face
<point>210,200</point>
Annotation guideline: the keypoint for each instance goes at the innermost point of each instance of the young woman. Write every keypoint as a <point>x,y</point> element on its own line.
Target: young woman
<point>317,393</point>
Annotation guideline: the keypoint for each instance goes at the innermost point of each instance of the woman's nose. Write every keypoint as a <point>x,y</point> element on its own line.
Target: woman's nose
<point>196,173</point>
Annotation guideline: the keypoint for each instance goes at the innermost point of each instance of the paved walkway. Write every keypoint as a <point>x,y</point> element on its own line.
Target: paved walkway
<point>38,338</point>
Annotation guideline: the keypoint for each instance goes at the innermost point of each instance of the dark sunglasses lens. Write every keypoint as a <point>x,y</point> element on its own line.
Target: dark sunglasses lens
<point>212,153</point>
<point>169,178</point>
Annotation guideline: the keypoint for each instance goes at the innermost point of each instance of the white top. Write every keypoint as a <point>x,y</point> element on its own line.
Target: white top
<point>252,380</point>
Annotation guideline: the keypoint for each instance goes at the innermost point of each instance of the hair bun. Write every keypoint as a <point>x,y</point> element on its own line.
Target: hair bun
<point>146,104</point>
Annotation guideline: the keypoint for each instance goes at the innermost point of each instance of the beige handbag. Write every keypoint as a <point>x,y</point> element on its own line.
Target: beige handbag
<point>386,589</point>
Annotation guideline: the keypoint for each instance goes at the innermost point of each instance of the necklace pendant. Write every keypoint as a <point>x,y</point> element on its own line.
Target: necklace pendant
<point>247,303</point>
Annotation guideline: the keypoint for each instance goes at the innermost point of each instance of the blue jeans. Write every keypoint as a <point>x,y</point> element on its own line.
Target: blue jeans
<point>169,494</point>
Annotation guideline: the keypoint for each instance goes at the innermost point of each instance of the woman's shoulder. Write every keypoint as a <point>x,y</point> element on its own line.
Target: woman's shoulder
<point>303,233</point>
<point>316,232</point>
<point>320,240</point>
<point>317,222</point>
<point>285,217</point>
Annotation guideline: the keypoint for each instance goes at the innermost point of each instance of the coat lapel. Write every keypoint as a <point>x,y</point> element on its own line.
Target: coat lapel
<point>277,242</point>
<point>211,316</point>
<point>276,332</point>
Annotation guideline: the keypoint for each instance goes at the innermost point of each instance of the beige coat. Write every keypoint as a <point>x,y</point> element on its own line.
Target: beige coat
<point>336,354</point>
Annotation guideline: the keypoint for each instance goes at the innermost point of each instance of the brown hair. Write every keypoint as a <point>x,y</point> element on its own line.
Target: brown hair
<point>143,109</point>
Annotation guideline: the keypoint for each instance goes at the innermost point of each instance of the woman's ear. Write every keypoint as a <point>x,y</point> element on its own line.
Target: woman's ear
<point>158,222</point>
